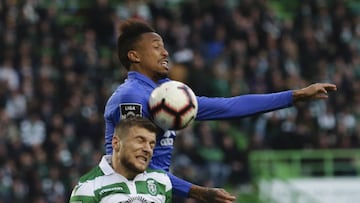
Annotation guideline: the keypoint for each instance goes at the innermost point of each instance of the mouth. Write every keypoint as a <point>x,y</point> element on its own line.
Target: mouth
<point>165,64</point>
<point>142,159</point>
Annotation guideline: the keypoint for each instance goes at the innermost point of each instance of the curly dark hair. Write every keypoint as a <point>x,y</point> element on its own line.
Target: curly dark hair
<point>130,33</point>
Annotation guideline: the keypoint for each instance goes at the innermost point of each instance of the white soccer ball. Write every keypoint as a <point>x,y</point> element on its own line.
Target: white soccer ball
<point>173,105</point>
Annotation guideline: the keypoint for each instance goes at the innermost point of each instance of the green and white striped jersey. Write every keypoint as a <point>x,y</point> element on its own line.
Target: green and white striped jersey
<point>103,185</point>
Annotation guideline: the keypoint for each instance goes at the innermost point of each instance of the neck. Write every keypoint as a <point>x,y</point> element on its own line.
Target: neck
<point>150,74</point>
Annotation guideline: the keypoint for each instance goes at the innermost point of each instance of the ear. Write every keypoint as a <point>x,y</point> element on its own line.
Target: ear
<point>115,143</point>
<point>133,56</point>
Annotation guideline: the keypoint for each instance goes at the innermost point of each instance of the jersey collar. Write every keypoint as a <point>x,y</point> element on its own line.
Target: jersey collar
<point>105,165</point>
<point>139,76</point>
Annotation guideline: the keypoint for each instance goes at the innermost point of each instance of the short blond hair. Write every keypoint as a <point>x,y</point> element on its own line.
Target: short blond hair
<point>122,128</point>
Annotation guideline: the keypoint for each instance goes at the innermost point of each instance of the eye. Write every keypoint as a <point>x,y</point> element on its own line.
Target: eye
<point>152,145</point>
<point>158,45</point>
<point>139,139</point>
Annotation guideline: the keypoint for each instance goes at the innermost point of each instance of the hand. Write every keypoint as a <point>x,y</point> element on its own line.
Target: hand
<point>314,91</point>
<point>211,195</point>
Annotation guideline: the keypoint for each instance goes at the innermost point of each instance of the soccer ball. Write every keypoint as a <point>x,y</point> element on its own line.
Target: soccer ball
<point>173,105</point>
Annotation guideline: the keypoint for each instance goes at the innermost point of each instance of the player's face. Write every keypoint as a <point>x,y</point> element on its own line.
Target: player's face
<point>136,150</point>
<point>153,57</point>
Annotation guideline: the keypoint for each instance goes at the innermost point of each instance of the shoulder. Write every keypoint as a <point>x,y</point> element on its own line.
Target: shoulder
<point>89,183</point>
<point>158,175</point>
<point>125,96</point>
<point>84,190</point>
<point>129,92</point>
<point>91,175</point>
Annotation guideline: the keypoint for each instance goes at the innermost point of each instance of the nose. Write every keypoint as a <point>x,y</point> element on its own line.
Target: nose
<point>147,148</point>
<point>165,52</point>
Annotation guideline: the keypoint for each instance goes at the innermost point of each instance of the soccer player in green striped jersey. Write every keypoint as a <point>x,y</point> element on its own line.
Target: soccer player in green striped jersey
<point>123,177</point>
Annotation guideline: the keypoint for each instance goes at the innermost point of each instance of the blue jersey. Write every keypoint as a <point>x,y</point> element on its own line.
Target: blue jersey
<point>131,98</point>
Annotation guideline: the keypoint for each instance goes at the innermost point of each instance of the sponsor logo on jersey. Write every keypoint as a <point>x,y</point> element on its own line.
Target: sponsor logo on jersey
<point>110,190</point>
<point>167,142</point>
<point>167,138</point>
<point>130,109</point>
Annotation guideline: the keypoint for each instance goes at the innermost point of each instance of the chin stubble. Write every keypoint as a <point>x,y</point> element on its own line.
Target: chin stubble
<point>129,165</point>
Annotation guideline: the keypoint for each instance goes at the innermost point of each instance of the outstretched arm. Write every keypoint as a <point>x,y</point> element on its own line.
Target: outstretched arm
<point>186,189</point>
<point>213,108</point>
<point>211,195</point>
<point>247,105</point>
<point>314,91</point>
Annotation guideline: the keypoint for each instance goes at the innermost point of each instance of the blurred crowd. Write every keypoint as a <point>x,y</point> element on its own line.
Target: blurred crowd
<point>58,66</point>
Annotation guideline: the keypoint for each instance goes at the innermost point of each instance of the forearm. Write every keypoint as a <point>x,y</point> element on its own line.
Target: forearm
<point>199,193</point>
<point>210,195</point>
<point>241,106</point>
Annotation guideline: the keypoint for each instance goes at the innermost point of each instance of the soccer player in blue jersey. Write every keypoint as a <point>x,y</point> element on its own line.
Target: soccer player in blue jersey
<point>141,51</point>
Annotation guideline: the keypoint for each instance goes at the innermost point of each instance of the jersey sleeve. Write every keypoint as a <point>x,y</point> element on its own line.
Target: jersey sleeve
<point>180,187</point>
<point>241,106</point>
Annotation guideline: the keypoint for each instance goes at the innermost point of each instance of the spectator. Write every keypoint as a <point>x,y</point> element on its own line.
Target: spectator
<point>32,130</point>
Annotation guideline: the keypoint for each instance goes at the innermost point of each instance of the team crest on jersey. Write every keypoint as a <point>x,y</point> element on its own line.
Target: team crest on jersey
<point>151,186</point>
<point>130,109</point>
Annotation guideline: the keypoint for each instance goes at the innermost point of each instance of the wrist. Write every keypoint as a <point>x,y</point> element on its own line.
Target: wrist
<point>298,95</point>
<point>197,192</point>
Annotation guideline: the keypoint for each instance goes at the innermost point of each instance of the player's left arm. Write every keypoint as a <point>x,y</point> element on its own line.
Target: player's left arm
<point>240,106</point>
<point>314,91</point>
<point>251,104</point>
<point>211,195</point>
<point>204,194</point>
